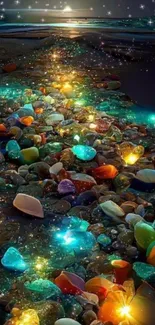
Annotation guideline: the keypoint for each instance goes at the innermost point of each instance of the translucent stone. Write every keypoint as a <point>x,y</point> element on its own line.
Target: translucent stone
<point>44,289</point>
<point>13,260</point>
<point>29,155</point>
<point>13,149</point>
<point>29,205</point>
<point>144,234</point>
<point>104,240</point>
<point>84,152</point>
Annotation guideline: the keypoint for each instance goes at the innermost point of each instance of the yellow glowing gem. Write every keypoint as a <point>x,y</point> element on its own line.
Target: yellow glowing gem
<point>91,118</point>
<point>26,317</point>
<point>131,159</point>
<point>125,311</point>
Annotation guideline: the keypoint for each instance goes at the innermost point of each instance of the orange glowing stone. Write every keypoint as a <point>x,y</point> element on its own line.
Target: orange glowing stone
<point>43,90</point>
<point>27,120</point>
<point>105,172</point>
<point>122,270</point>
<point>100,286</point>
<point>39,110</point>
<point>2,128</point>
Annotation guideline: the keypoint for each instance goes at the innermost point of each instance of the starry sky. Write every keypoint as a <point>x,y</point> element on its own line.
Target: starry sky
<point>104,8</point>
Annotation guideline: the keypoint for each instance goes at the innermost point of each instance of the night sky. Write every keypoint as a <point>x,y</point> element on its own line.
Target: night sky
<point>104,8</point>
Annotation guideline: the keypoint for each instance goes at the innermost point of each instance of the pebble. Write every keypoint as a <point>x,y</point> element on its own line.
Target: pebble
<point>29,205</point>
<point>112,209</point>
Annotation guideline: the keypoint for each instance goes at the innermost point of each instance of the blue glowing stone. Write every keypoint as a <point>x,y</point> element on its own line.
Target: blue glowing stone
<point>13,260</point>
<point>13,149</point>
<point>104,240</point>
<point>81,242</point>
<point>83,152</point>
<point>43,289</point>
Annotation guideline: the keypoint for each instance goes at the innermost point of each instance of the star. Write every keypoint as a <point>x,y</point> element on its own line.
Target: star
<point>142,7</point>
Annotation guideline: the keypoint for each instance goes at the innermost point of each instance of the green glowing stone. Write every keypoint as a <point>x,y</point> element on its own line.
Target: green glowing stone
<point>144,234</point>
<point>43,289</point>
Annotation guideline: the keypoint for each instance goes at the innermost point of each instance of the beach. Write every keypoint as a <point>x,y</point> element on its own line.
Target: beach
<point>77,177</point>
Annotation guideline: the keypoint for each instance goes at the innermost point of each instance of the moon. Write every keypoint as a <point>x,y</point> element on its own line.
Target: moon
<point>67,9</point>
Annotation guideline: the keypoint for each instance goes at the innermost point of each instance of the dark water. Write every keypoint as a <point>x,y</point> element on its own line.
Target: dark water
<point>33,18</point>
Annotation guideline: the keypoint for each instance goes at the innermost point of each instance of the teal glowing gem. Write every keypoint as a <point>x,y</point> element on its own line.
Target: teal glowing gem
<point>43,289</point>
<point>81,242</point>
<point>104,240</point>
<point>84,152</point>
<point>13,149</point>
<point>13,260</point>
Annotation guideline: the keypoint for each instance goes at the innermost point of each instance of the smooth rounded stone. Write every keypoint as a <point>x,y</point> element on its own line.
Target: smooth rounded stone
<point>146,175</point>
<point>66,321</point>
<point>126,237</point>
<point>15,178</point>
<point>34,189</point>
<point>132,219</point>
<point>55,169</point>
<point>43,289</point>
<point>29,155</point>
<point>29,205</point>
<point>61,206</point>
<point>66,187</point>
<point>113,197</point>
<point>84,152</point>
<point>144,234</point>
<point>104,240</point>
<point>129,207</point>
<point>88,317</point>
<point>140,210</point>
<point>132,251</point>
<point>82,182</point>
<point>105,172</point>
<point>31,178</point>
<point>86,198</point>
<point>49,185</point>
<point>54,118</point>
<point>13,149</point>
<point>96,229</point>
<point>13,260</point>
<point>26,143</point>
<point>48,311</point>
<point>23,170</point>
<point>50,148</point>
<point>111,209</point>
<point>40,168</point>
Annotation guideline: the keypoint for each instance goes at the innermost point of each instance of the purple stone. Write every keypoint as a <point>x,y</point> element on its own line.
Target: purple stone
<point>66,187</point>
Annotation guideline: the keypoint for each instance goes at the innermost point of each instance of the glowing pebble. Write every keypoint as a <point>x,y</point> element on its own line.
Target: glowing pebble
<point>13,260</point>
<point>85,153</point>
